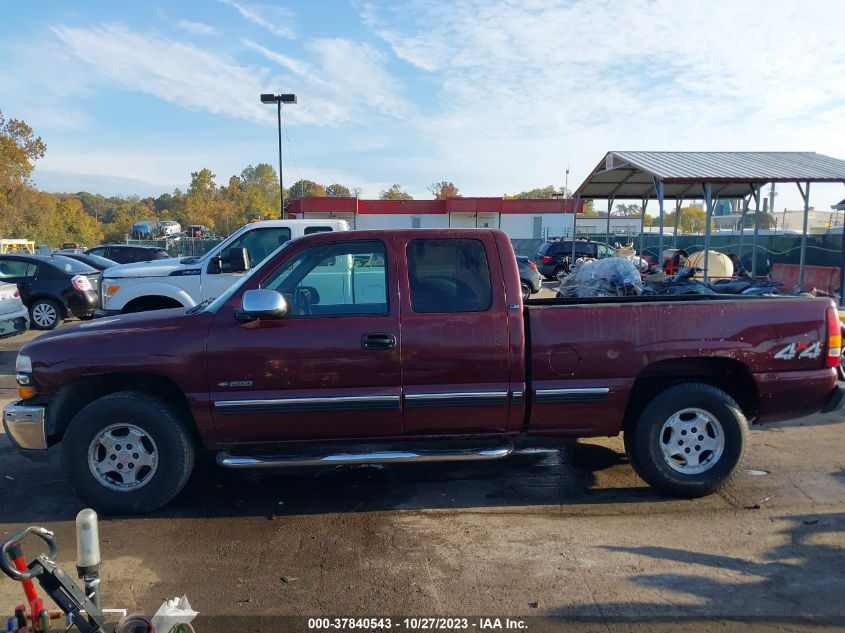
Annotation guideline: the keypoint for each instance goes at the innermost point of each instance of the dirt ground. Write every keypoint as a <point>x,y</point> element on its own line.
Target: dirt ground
<point>555,540</point>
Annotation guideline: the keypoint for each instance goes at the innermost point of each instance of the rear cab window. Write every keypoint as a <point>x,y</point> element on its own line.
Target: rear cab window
<point>448,275</point>
<point>71,266</point>
<point>259,243</point>
<point>310,230</point>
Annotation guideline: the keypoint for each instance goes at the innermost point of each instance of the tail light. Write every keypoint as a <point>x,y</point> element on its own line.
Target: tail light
<point>81,283</point>
<point>17,293</point>
<point>547,259</point>
<point>834,338</point>
<point>532,265</point>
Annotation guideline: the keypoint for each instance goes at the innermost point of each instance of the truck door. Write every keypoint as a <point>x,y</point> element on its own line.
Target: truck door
<point>330,370</point>
<point>259,242</point>
<point>455,356</point>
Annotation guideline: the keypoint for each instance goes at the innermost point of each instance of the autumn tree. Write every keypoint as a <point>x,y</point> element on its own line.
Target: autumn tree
<point>338,191</point>
<point>77,225</point>
<point>394,192</point>
<point>443,190</point>
<point>201,198</point>
<point>306,189</point>
<point>541,193</point>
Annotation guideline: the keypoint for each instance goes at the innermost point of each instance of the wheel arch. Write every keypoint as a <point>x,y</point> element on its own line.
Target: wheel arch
<point>151,302</point>
<point>76,395</point>
<point>65,312</point>
<point>730,375</point>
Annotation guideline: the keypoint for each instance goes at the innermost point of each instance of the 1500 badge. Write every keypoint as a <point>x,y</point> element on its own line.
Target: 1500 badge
<point>800,350</point>
<point>235,383</point>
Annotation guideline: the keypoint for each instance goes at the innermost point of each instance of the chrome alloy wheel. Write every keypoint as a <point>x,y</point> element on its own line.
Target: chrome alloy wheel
<point>44,315</point>
<point>692,441</point>
<point>123,457</point>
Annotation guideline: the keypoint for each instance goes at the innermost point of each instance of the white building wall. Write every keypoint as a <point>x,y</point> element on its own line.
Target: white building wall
<point>520,226</point>
<point>401,221</point>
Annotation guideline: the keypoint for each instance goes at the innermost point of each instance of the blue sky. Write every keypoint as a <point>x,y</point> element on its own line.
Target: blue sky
<point>495,95</point>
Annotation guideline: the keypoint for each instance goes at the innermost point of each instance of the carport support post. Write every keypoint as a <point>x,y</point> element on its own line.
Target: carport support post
<point>658,188</point>
<point>756,194</point>
<point>678,204</point>
<point>574,224</point>
<point>805,193</point>
<point>607,230</point>
<point>642,226</point>
<point>745,203</point>
<point>707,188</point>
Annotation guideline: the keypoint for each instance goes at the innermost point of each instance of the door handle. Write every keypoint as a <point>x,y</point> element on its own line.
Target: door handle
<point>378,341</point>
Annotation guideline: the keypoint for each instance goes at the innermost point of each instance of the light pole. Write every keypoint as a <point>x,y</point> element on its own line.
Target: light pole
<point>279,100</point>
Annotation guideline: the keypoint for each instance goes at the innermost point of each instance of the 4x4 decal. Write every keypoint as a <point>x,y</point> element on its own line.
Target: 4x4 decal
<point>800,350</point>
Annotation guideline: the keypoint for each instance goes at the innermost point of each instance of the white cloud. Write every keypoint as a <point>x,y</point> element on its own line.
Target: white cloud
<point>525,86</point>
<point>179,73</point>
<point>345,81</point>
<point>275,19</point>
<point>197,28</point>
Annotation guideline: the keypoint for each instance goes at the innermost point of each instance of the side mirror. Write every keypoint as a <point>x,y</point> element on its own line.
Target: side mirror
<point>215,266</point>
<point>262,304</point>
<point>238,260</point>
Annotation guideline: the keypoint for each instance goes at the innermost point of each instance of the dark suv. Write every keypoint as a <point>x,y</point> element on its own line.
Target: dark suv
<point>552,258</point>
<point>128,253</point>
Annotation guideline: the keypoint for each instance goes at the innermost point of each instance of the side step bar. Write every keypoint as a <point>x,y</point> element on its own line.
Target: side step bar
<point>228,460</point>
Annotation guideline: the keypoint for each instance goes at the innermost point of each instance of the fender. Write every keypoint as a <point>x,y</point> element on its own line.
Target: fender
<point>133,291</point>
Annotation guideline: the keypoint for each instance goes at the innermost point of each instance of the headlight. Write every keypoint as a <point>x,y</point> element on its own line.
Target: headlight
<point>23,364</point>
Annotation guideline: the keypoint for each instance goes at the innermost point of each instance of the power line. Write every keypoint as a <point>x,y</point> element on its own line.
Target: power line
<point>290,147</point>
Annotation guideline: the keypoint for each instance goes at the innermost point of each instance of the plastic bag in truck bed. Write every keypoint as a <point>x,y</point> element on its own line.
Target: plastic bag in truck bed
<point>610,277</point>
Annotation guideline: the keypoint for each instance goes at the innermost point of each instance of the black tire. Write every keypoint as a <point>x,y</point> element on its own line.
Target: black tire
<point>171,442</point>
<point>526,290</point>
<point>644,441</point>
<point>42,308</point>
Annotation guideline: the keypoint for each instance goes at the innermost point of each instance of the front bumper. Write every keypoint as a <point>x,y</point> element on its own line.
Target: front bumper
<point>25,426</point>
<point>99,313</point>
<point>12,325</point>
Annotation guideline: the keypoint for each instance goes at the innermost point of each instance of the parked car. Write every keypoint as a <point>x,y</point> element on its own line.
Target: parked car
<point>94,261</point>
<point>43,249</point>
<point>129,253</point>
<point>420,351</point>
<point>529,277</point>
<point>552,258</point>
<point>52,288</point>
<point>188,281</point>
<point>14,317</point>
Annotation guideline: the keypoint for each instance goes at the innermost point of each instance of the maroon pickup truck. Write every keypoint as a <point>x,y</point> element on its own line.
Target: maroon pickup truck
<point>388,346</point>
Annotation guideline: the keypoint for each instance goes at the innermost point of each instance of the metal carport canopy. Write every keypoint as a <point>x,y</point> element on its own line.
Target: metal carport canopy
<point>707,176</point>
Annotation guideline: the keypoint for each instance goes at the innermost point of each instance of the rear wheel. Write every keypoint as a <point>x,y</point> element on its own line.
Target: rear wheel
<point>689,441</point>
<point>127,453</point>
<point>45,314</point>
<point>526,291</point>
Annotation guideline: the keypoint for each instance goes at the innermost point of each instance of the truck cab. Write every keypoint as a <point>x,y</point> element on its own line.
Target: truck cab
<point>187,281</point>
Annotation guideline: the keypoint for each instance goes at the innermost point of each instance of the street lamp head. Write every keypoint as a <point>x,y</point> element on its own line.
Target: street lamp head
<point>271,98</point>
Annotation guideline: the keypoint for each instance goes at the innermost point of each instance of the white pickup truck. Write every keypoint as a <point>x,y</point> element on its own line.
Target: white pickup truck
<point>187,281</point>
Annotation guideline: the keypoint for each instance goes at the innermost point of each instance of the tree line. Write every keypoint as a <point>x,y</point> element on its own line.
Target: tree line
<point>90,218</point>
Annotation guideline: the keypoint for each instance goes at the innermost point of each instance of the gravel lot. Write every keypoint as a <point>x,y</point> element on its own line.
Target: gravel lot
<point>572,535</point>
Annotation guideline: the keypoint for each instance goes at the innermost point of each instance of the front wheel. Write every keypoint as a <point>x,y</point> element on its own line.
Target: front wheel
<point>127,453</point>
<point>689,441</point>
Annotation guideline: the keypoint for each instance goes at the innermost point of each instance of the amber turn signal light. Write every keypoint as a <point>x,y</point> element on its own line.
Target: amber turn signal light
<point>25,393</point>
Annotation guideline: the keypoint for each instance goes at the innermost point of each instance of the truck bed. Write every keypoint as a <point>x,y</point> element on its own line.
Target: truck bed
<point>586,356</point>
